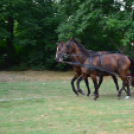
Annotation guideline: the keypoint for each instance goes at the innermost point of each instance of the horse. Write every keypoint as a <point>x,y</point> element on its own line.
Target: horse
<point>114,63</point>
<point>78,70</point>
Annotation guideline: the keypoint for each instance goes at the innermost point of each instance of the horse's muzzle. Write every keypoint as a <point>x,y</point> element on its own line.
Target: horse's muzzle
<point>59,59</point>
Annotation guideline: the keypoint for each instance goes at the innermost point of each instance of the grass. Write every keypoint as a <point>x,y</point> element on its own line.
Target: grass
<point>42,103</point>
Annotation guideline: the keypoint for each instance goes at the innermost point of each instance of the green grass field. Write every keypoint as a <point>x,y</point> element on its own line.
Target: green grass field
<point>48,106</point>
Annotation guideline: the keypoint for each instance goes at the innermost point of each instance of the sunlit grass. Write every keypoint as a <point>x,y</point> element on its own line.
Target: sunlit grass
<point>51,107</point>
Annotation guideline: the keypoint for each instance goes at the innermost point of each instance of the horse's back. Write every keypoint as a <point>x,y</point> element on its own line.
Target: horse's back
<point>119,61</point>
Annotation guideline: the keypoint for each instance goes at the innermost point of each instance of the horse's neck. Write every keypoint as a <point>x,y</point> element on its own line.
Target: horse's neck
<point>73,57</point>
<point>81,56</point>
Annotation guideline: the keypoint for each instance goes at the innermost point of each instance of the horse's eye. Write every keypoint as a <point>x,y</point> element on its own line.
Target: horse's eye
<point>68,46</point>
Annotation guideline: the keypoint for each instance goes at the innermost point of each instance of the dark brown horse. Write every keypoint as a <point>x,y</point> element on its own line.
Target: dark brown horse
<point>115,63</point>
<point>78,70</point>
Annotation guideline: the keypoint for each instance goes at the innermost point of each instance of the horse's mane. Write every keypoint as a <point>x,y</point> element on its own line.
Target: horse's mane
<point>85,51</point>
<point>82,48</point>
<point>90,52</point>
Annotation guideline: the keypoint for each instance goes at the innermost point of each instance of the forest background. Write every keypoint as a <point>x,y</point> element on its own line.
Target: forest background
<point>29,30</point>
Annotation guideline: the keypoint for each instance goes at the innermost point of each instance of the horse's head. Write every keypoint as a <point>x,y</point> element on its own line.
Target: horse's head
<point>59,54</point>
<point>68,47</point>
<point>64,50</point>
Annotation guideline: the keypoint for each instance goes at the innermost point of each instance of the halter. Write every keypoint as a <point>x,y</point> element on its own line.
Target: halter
<point>65,52</point>
<point>70,44</point>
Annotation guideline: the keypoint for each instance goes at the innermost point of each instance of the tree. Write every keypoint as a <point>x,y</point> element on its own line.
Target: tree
<point>28,32</point>
<point>7,26</point>
<point>100,21</point>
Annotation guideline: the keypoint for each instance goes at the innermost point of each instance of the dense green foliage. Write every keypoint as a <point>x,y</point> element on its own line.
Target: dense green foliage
<point>27,33</point>
<point>29,29</point>
<point>98,23</point>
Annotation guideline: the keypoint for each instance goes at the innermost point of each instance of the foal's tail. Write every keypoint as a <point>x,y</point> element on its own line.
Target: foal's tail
<point>132,66</point>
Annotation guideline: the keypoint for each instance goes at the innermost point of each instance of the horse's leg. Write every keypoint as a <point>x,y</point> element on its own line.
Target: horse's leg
<point>123,88</point>
<point>95,86</point>
<point>120,91</point>
<point>116,82</point>
<point>128,92</point>
<point>78,85</point>
<point>72,84</point>
<point>125,83</point>
<point>87,84</point>
<point>100,81</point>
<point>128,85</point>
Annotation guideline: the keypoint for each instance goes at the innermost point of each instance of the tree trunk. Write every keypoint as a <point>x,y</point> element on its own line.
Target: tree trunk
<point>10,47</point>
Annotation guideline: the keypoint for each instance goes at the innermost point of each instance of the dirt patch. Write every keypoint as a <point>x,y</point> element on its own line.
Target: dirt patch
<point>14,76</point>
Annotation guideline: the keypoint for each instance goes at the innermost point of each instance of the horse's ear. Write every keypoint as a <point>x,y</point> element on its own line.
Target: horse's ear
<point>57,43</point>
<point>72,38</point>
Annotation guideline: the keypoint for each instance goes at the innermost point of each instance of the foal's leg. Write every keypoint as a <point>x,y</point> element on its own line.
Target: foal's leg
<point>87,84</point>
<point>72,84</point>
<point>78,85</point>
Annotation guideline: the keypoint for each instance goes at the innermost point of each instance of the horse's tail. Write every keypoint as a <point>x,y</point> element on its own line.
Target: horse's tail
<point>132,66</point>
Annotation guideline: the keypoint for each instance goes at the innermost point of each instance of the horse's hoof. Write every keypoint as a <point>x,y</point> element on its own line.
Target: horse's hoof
<point>78,91</point>
<point>96,97</point>
<point>81,91</point>
<point>127,97</point>
<point>119,95</point>
<point>77,94</point>
<point>87,95</point>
